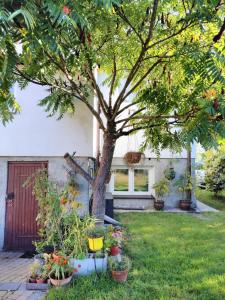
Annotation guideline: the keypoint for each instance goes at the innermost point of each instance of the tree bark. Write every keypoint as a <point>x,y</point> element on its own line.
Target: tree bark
<point>98,206</point>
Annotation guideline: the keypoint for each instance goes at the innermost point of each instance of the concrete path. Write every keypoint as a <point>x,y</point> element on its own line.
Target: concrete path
<point>205,208</point>
<point>13,274</point>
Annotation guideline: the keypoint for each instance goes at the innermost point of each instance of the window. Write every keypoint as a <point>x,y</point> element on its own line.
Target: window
<point>121,180</point>
<point>132,180</point>
<point>140,180</point>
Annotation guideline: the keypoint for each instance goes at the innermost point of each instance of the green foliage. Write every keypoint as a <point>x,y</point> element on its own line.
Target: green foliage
<point>184,184</point>
<point>161,188</point>
<point>96,232</point>
<point>35,269</point>
<point>214,166</point>
<point>119,264</point>
<point>216,201</point>
<point>60,225</point>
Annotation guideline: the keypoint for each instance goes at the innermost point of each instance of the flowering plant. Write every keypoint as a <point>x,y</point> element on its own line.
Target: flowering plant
<point>114,237</point>
<point>59,267</point>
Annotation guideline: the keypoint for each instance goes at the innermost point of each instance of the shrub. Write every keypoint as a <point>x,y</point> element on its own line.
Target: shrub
<point>214,166</point>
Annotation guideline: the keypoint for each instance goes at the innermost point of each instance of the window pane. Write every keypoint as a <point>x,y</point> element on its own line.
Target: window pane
<point>140,180</point>
<point>121,180</point>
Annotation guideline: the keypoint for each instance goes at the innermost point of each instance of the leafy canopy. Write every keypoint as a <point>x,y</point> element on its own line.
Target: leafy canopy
<point>165,57</point>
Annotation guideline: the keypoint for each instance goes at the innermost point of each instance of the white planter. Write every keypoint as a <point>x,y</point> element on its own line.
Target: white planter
<point>87,266</point>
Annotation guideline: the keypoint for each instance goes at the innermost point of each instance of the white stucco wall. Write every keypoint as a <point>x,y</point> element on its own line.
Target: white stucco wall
<point>33,134</point>
<point>133,143</point>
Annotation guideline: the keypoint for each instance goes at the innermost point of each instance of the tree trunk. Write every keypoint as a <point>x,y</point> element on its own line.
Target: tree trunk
<point>98,206</point>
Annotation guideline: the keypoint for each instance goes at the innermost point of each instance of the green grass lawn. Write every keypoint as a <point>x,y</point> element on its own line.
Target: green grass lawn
<point>174,256</point>
<point>210,199</point>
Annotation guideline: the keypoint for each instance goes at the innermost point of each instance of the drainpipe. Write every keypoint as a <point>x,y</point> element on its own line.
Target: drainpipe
<point>189,193</point>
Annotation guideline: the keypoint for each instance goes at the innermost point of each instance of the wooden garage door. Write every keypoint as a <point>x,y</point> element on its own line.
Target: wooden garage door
<point>21,207</point>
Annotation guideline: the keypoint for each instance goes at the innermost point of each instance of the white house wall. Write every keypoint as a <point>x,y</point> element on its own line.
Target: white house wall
<point>33,134</point>
<point>133,143</point>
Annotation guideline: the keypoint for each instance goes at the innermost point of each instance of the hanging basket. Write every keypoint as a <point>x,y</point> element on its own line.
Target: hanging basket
<point>132,157</point>
<point>170,173</point>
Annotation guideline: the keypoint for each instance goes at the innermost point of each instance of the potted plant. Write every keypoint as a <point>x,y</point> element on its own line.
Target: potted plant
<point>60,272</point>
<point>119,268</point>
<point>42,278</point>
<point>184,184</point>
<point>169,172</point>
<point>114,248</point>
<point>35,270</point>
<point>161,189</point>
<point>113,241</point>
<point>95,239</point>
<point>132,157</point>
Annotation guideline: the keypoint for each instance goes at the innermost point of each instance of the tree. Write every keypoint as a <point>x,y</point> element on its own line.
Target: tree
<point>168,56</point>
<point>214,166</point>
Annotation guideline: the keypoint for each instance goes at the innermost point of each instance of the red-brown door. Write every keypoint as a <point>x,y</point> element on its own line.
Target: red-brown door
<point>21,207</point>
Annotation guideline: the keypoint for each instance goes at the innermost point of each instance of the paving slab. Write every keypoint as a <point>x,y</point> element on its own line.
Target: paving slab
<point>13,275</point>
<point>205,208</point>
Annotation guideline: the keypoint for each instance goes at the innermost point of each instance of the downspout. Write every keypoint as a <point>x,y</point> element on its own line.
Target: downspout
<point>189,171</point>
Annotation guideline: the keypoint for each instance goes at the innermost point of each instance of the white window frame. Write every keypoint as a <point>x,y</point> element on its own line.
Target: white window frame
<point>131,191</point>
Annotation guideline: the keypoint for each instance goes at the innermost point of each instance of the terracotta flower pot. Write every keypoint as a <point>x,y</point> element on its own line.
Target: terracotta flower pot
<point>159,204</point>
<point>114,250</point>
<point>32,280</point>
<point>120,276</point>
<point>185,204</point>
<point>60,282</point>
<point>40,280</point>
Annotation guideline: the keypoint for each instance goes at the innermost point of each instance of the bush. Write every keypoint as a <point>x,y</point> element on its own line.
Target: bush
<point>214,166</point>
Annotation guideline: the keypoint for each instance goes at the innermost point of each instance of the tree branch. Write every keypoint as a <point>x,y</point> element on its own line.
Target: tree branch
<point>218,36</point>
<point>127,106</point>
<point>142,78</point>
<point>142,127</point>
<point>77,168</point>
<point>102,102</point>
<point>113,81</point>
<point>177,120</point>
<point>138,61</point>
<point>169,36</point>
<point>152,21</point>
<point>121,13</point>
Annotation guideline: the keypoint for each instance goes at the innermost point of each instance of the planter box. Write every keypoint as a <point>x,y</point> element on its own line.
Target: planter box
<point>90,265</point>
<point>37,286</point>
